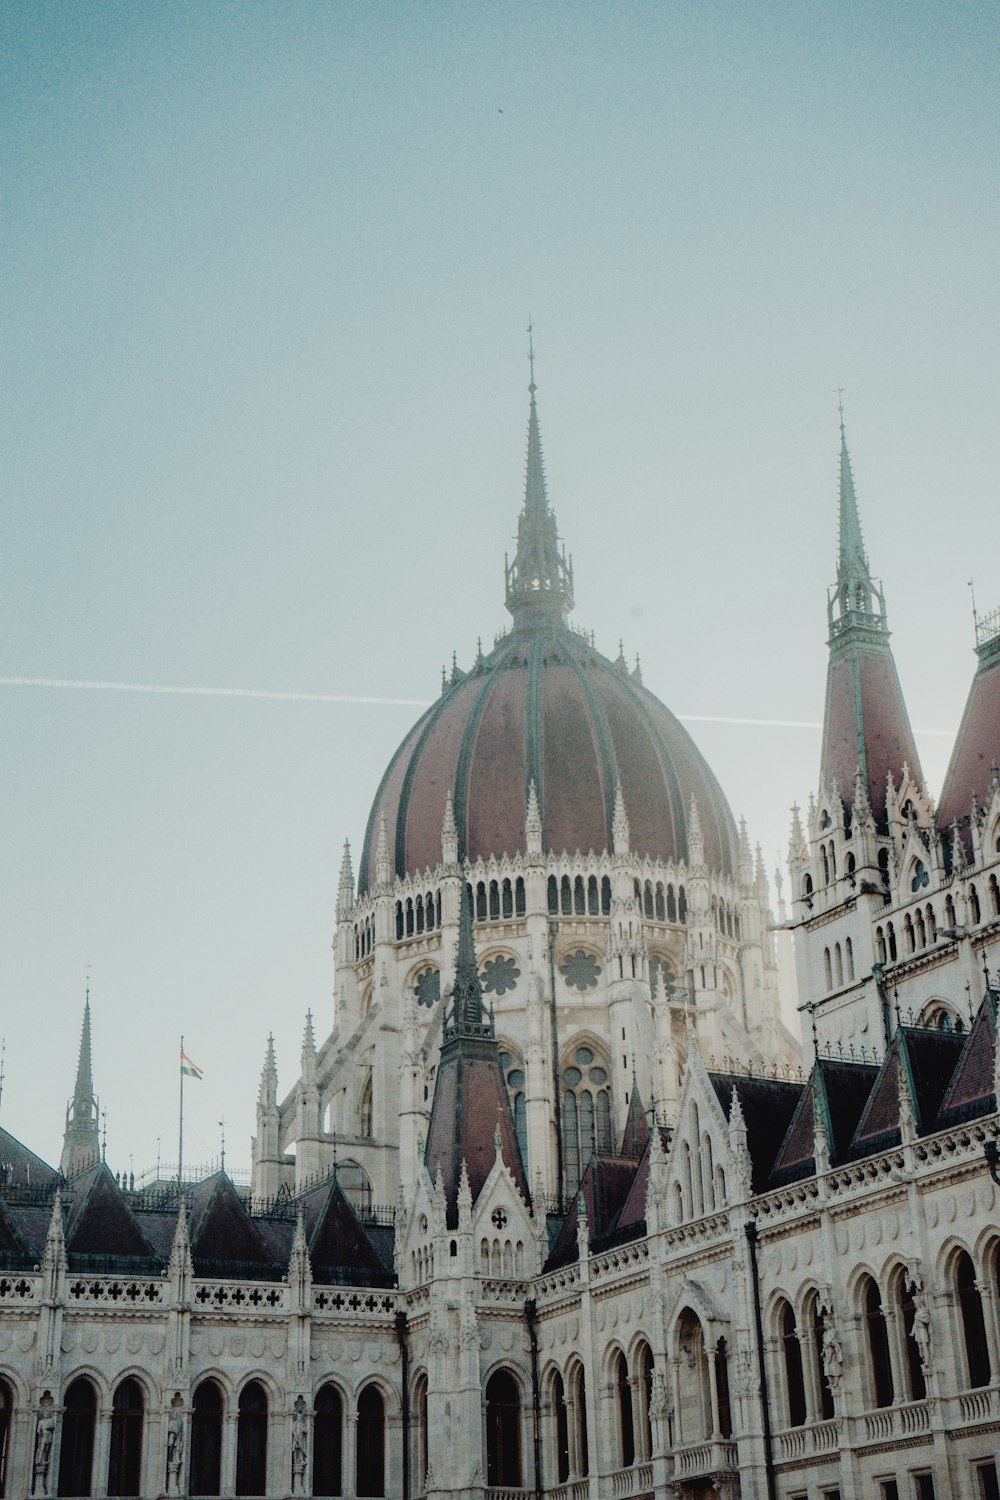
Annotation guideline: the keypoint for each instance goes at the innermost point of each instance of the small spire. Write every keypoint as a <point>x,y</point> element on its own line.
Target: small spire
<point>81,1140</point>
<point>180,1250</point>
<point>268,1094</point>
<point>533,821</point>
<point>852,565</point>
<point>746,858</point>
<point>821,1138</point>
<point>907,1114</point>
<point>308,1050</point>
<point>383,869</point>
<point>449,833</point>
<point>620,832</point>
<point>467,992</point>
<point>345,885</point>
<point>696,839</point>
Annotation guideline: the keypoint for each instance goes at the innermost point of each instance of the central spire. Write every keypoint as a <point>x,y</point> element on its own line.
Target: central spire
<point>539,581</point>
<point>857,601</point>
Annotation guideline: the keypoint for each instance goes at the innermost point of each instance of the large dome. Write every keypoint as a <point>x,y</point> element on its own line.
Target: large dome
<point>545,707</point>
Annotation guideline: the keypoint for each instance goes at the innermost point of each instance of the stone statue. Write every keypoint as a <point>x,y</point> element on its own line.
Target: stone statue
<point>299,1446</point>
<point>833,1354</point>
<point>922,1336</point>
<point>175,1444</point>
<point>45,1429</point>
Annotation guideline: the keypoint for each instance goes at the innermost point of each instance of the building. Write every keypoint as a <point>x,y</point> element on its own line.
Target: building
<point>634,1249</point>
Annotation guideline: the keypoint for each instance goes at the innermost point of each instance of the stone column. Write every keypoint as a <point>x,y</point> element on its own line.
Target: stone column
<point>227,1466</point>
<point>102,1452</point>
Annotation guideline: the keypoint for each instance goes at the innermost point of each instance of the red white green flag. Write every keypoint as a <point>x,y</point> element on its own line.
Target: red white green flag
<point>190,1069</point>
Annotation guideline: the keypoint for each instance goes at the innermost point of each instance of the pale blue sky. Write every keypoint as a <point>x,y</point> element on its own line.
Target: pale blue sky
<point>266,271</point>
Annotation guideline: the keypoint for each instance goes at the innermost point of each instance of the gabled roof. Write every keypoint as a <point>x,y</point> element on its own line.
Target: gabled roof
<point>977,746</point>
<point>929,1059</point>
<point>970,1090</point>
<point>339,1248</point>
<point>13,1245</point>
<point>841,1090</point>
<point>19,1165</point>
<point>99,1222</point>
<point>604,1188</point>
<point>635,1137</point>
<point>768,1105</point>
<point>222,1230</point>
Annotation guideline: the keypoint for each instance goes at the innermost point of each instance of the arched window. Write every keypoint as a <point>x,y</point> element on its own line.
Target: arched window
<point>671,904</point>
<point>420,1422</point>
<point>399,923</point>
<point>921,929</point>
<point>970,1305</point>
<point>586,1111</point>
<point>506,900</point>
<point>974,904</point>
<point>795,1388</point>
<point>626,1430</point>
<point>125,1458</point>
<point>647,900</point>
<point>371,1442</point>
<point>605,895</point>
<point>814,1318</point>
<point>409,916</point>
<point>695,1412</point>
<point>890,933</point>
<point>76,1455</point>
<point>913,1369</point>
<point>581,1454</point>
<point>206,1439</point>
<point>519,906</point>
<point>931,924</point>
<point>328,1430</point>
<point>566,896</point>
<point>839,964</point>
<point>682,904</point>
<point>593,896</point>
<point>880,945</point>
<point>553,895</point>
<point>6,1410</point>
<point>429,909</point>
<point>503,1431</point>
<point>644,1367</point>
<point>661,906</point>
<point>827,969</point>
<point>722,1389</point>
<point>849,955</point>
<point>560,1431</point>
<point>908,933</point>
<point>995,895</point>
<point>878,1344</point>
<point>826,864</point>
<point>251,1441</point>
<point>579,897</point>
<point>420,914</point>
<point>480,901</point>
<point>883,864</point>
<point>949,912</point>
<point>494,901</point>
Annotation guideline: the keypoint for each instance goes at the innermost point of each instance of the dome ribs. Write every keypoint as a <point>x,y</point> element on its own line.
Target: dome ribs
<point>575,809</point>
<point>495,807</point>
<point>461,790</point>
<point>534,769</point>
<point>599,727</point>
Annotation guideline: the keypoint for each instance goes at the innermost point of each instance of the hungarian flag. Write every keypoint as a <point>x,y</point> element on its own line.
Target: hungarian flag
<point>191,1069</point>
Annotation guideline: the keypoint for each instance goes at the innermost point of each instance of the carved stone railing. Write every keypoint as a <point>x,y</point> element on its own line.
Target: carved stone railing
<point>513,1292</point>
<point>697,1231</point>
<point>115,1291</point>
<point>17,1290</point>
<point>975,1407</point>
<point>558,1284</point>
<point>807,1442</point>
<point>637,1480</point>
<point>705,1458</point>
<point>575,1489</point>
<point>906,1420</point>
<point>622,1261</point>
<point>253,1297</point>
<point>355,1301</point>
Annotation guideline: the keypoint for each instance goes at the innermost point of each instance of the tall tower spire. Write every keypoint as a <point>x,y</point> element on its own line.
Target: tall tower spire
<point>866,729</point>
<point>539,582</point>
<point>81,1138</point>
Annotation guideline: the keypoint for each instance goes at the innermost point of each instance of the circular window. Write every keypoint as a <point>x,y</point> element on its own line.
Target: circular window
<point>428,987</point>
<point>584,1056</point>
<point>500,975</point>
<point>505,1059</point>
<point>580,970</point>
<point>598,1075</point>
<point>572,1076</point>
<point>516,1078</point>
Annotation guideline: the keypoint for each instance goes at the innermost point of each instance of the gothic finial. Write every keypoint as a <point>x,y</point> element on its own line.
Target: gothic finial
<point>449,833</point>
<point>533,821</point>
<point>383,867</point>
<point>345,885</point>
<point>531,355</point>
<point>268,1095</point>
<point>696,839</point>
<point>539,581</point>
<point>620,833</point>
<point>467,991</point>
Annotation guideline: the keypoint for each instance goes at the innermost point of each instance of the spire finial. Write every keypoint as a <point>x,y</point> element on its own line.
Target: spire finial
<point>532,388</point>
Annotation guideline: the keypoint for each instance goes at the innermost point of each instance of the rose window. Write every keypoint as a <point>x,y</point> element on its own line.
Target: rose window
<point>580,970</point>
<point>428,987</point>
<point>499,975</point>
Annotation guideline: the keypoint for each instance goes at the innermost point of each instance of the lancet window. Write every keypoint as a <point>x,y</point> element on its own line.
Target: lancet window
<point>586,1089</point>
<point>125,1457</point>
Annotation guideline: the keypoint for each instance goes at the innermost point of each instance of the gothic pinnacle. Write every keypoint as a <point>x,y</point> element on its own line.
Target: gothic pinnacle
<point>620,833</point>
<point>449,833</point>
<point>345,885</point>
<point>383,868</point>
<point>533,821</point>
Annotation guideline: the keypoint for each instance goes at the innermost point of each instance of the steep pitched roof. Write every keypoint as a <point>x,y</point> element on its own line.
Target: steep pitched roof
<point>768,1105</point>
<point>635,1137</point>
<point>604,1188</point>
<point>13,1245</point>
<point>929,1059</point>
<point>339,1248</point>
<point>19,1164</point>
<point>977,746</point>
<point>471,1108</point>
<point>99,1222</point>
<point>841,1091</point>
<point>970,1090</point>
<point>222,1230</point>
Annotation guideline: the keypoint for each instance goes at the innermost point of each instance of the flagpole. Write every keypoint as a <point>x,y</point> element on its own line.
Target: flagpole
<point>180,1128</point>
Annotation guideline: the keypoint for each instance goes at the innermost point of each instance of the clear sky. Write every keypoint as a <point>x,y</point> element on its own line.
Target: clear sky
<point>266,271</point>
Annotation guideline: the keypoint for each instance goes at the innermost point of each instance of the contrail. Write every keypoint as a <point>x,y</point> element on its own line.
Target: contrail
<point>88,684</point>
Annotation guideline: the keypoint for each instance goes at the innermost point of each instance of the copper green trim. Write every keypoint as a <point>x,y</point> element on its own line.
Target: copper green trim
<point>402,807</point>
<point>533,758</point>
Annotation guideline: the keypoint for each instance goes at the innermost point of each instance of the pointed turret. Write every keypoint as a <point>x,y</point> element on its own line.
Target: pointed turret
<point>471,1107</point>
<point>620,833</point>
<point>865,723</point>
<point>345,885</point>
<point>532,821</point>
<point>383,866</point>
<point>968,783</point>
<point>696,839</point>
<point>539,582</point>
<point>81,1139</point>
<point>449,833</point>
<point>636,1134</point>
<point>308,1055</point>
<point>267,1096</point>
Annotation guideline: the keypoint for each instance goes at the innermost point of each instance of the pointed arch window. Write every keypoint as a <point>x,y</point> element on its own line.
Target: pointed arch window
<point>671,904</point>
<point>586,1112</point>
<point>644,1386</point>
<point>76,1454</point>
<point>503,1431</point>
<point>626,1428</point>
<point>251,1440</point>
<point>6,1411</point>
<point>970,1305</point>
<point>878,1344</point>
<point>328,1428</point>
<point>579,1388</point>
<point>914,1370</point>
<point>816,1321</point>
<point>722,1389</point>
<point>795,1388</point>
<point>206,1439</point>
<point>371,1442</point>
<point>125,1458</point>
<point>560,1431</point>
<point>605,895</point>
